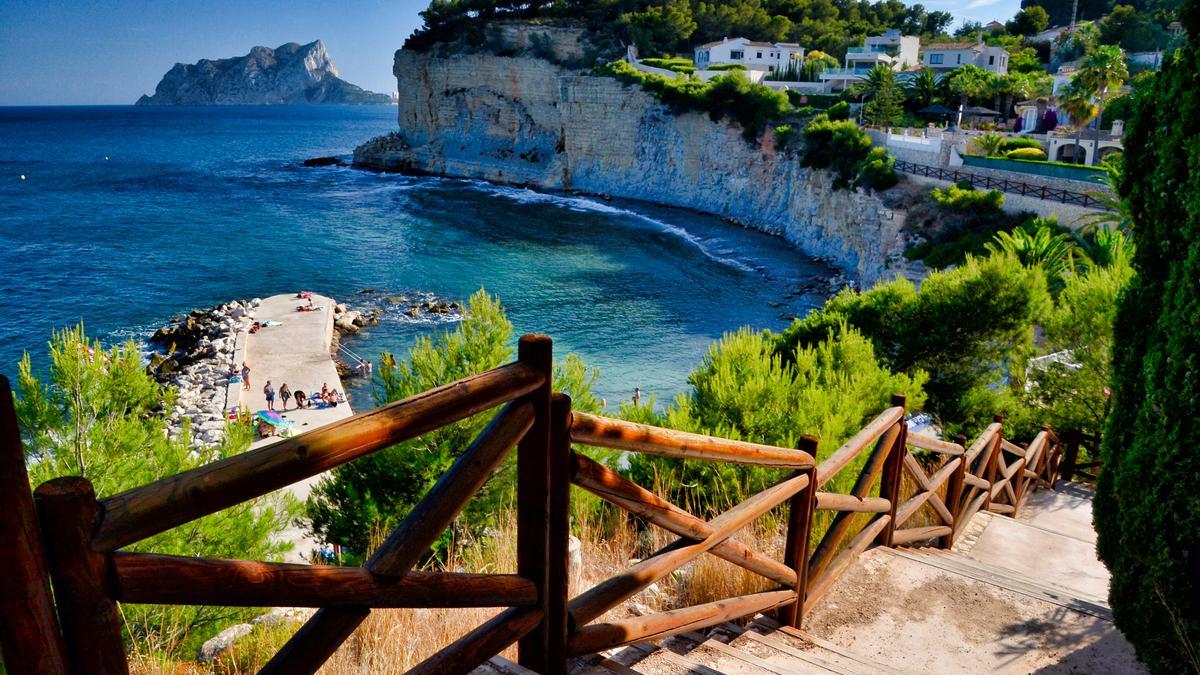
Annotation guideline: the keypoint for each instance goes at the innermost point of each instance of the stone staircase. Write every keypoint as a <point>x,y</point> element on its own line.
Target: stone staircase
<point>1014,596</point>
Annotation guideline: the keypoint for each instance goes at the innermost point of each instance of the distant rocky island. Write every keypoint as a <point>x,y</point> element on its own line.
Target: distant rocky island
<point>291,74</point>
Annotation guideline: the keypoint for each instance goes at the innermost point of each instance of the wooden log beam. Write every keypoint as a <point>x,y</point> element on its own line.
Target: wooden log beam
<point>832,541</point>
<point>608,594</point>
<point>912,534</point>
<point>799,530</point>
<point>857,443</point>
<point>475,648</point>
<point>832,501</point>
<point>321,635</point>
<point>614,488</point>
<point>983,442</point>
<point>930,486</point>
<point>935,445</point>
<point>90,621</point>
<point>180,580</point>
<point>533,501</point>
<point>1012,448</point>
<point>954,496</point>
<point>820,585</point>
<point>606,432</point>
<point>968,513</point>
<point>159,506</point>
<point>598,637</point>
<point>975,481</point>
<point>30,638</point>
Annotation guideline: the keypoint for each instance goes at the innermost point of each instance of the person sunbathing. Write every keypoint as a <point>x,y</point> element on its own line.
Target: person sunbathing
<point>300,398</point>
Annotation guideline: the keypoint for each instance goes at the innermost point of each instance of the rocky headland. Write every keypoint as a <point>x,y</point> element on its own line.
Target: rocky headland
<point>522,112</point>
<point>291,74</point>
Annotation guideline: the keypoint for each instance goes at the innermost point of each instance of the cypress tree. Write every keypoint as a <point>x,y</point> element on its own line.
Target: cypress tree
<point>1148,497</point>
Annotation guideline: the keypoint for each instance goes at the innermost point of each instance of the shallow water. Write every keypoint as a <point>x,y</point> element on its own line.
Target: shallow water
<point>196,206</point>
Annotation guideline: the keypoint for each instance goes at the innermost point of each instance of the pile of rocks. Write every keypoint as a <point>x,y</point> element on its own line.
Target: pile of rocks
<point>348,321</point>
<point>198,352</point>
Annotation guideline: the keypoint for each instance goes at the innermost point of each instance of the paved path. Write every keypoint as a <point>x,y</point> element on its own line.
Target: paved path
<point>296,353</point>
<point>1014,596</point>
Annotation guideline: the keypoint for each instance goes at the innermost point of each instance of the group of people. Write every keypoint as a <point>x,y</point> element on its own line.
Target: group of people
<point>326,398</point>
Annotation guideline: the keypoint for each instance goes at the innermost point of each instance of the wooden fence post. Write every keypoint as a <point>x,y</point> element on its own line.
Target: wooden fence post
<point>558,629</point>
<point>802,505</point>
<point>889,482</point>
<point>533,498</point>
<point>993,459</point>
<point>83,580</point>
<point>30,639</point>
<point>954,494</point>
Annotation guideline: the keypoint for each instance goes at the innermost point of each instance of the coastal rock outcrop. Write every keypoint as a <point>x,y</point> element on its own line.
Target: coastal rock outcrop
<point>289,74</point>
<point>525,120</point>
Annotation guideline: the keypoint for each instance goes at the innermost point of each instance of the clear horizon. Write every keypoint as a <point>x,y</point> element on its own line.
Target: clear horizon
<point>87,52</point>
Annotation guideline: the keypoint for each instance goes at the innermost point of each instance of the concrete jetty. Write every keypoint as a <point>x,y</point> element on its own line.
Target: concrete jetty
<point>296,353</point>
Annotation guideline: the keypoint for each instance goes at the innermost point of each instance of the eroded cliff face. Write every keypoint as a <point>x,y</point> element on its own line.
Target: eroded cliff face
<point>524,120</point>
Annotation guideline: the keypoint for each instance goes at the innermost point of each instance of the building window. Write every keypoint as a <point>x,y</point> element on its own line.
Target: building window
<point>935,58</point>
<point>758,55</point>
<point>959,56</point>
<point>737,55</point>
<point>992,60</point>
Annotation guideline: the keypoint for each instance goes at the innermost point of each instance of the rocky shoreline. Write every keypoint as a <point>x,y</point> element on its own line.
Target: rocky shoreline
<point>195,354</point>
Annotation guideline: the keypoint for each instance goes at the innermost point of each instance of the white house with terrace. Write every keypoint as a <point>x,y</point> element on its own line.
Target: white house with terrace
<point>946,56</point>
<point>760,56</point>
<point>892,49</point>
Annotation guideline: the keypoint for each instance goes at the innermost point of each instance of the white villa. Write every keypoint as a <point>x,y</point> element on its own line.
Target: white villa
<point>946,56</point>
<point>762,56</point>
<point>899,52</point>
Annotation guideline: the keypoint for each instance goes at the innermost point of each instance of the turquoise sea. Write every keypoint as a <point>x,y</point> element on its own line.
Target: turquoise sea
<point>128,216</point>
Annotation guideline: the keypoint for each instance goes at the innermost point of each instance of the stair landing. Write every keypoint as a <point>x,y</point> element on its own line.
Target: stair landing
<point>1020,595</point>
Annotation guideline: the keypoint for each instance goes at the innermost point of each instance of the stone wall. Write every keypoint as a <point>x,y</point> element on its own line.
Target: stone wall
<point>522,120</point>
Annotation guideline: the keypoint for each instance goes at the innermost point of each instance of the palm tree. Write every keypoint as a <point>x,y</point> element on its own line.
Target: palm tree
<point>924,86</point>
<point>989,143</point>
<point>1076,100</point>
<point>968,82</point>
<point>1103,71</point>
<point>1053,253</point>
<point>877,78</point>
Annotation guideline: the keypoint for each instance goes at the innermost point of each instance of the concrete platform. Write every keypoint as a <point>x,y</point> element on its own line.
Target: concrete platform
<point>296,353</point>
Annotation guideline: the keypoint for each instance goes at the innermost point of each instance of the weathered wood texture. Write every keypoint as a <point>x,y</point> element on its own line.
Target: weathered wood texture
<point>606,432</point>
<point>30,640</point>
<point>145,511</point>
<point>616,489</point>
<point>800,515</point>
<point>533,500</point>
<point>87,612</point>
<point>324,632</point>
<point>857,443</point>
<point>598,637</point>
<point>490,638</point>
<point>179,580</point>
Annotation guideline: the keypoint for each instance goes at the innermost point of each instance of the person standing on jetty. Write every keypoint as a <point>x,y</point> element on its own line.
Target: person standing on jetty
<point>285,394</point>
<point>269,392</point>
<point>245,376</point>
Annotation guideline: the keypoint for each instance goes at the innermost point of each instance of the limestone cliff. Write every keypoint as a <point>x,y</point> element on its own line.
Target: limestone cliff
<point>525,120</point>
<point>288,74</point>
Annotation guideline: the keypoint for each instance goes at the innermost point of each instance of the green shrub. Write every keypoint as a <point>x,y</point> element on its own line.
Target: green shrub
<point>97,414</point>
<point>785,136</point>
<point>878,170</point>
<point>1146,511</point>
<point>744,390</point>
<point>839,111</point>
<point>667,62</point>
<point>726,66</point>
<point>967,328</point>
<point>1018,142</point>
<point>1031,154</point>
<point>843,148</point>
<point>955,198</point>
<point>818,101</point>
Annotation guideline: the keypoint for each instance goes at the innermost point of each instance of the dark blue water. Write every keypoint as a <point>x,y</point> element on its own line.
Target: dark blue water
<point>130,215</point>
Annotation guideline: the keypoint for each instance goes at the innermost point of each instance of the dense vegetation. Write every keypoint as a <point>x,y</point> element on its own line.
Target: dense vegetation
<point>1147,509</point>
<point>97,414</point>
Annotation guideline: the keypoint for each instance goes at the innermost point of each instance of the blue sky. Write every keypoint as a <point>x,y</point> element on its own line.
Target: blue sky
<point>90,52</point>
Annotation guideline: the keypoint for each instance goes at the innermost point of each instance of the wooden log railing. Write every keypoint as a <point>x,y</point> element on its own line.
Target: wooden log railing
<point>71,541</point>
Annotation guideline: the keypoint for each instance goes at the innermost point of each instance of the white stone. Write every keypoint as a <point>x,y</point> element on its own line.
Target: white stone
<point>222,642</point>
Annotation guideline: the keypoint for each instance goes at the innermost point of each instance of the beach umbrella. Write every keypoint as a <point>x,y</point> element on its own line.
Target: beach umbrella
<point>271,417</point>
<point>936,109</point>
<point>978,111</point>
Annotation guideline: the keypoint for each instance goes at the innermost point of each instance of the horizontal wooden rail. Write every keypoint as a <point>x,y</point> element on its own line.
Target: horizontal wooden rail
<point>934,444</point>
<point>616,489</point>
<point>857,443</point>
<point>929,487</point>
<point>599,637</point>
<point>145,511</point>
<point>605,432</point>
<point>492,637</point>
<point>912,534</point>
<point>1011,447</point>
<point>974,481</point>
<point>179,580</point>
<point>832,501</point>
<point>984,441</point>
<point>607,594</point>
